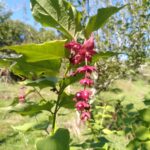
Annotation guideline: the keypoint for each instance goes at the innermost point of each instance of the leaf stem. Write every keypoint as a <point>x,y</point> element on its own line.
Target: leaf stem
<point>39,94</point>
<point>57,106</point>
<point>55,113</point>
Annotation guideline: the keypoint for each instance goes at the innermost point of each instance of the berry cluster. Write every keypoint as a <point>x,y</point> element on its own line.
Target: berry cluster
<point>83,53</point>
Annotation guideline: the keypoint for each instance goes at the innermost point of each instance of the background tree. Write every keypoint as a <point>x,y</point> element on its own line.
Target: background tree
<point>14,32</point>
<point>4,14</point>
<point>126,33</point>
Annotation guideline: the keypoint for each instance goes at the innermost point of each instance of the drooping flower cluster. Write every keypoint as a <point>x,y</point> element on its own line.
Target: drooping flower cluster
<point>83,53</point>
<point>79,52</point>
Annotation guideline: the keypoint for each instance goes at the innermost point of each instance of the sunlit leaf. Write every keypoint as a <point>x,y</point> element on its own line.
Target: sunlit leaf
<point>36,69</point>
<point>40,52</point>
<point>58,14</point>
<point>145,114</point>
<point>98,20</point>
<point>142,133</point>
<point>59,141</point>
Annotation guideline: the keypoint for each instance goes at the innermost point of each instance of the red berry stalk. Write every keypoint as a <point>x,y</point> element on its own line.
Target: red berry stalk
<point>21,95</point>
<point>83,53</point>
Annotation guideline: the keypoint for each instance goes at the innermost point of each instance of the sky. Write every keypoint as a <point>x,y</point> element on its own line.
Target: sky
<point>21,11</point>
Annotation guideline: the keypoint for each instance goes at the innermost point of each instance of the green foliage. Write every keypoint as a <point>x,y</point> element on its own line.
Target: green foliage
<point>144,114</point>
<point>16,32</point>
<point>120,118</point>
<point>66,101</point>
<point>59,14</point>
<point>4,14</point>
<point>59,141</point>
<point>98,20</point>
<point>25,69</point>
<point>42,82</point>
<point>40,125</point>
<point>108,70</point>
<point>142,133</point>
<point>29,108</point>
<point>41,57</point>
<point>70,80</point>
<point>42,63</point>
<point>103,56</point>
<point>135,144</point>
<point>39,52</point>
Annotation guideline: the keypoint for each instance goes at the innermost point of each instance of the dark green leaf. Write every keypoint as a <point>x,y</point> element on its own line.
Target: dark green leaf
<point>92,144</point>
<point>145,114</point>
<point>35,69</point>
<point>142,133</point>
<point>42,82</point>
<point>67,101</point>
<point>71,79</point>
<point>59,141</point>
<point>58,14</point>
<point>98,20</point>
<point>133,145</point>
<point>29,108</point>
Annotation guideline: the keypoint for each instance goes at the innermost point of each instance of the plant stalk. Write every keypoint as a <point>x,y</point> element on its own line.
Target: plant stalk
<point>58,101</point>
<point>55,114</point>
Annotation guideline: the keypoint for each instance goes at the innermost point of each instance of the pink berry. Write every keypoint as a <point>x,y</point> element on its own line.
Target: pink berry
<point>86,81</point>
<point>86,69</point>
<point>85,116</point>
<point>73,46</point>
<point>83,95</point>
<point>81,105</point>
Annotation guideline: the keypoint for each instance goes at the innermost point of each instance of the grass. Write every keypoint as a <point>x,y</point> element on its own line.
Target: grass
<point>128,91</point>
<point>13,140</point>
<point>10,139</point>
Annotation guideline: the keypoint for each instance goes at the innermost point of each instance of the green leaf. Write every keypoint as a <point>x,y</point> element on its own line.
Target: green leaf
<point>71,79</point>
<point>136,144</point>
<point>144,114</point>
<point>40,125</point>
<point>107,131</point>
<point>133,145</point>
<point>42,82</point>
<point>67,101</point>
<point>142,133</point>
<point>36,69</point>
<point>40,52</point>
<point>90,144</point>
<point>103,55</point>
<point>59,141</point>
<point>29,108</point>
<point>98,20</point>
<point>4,63</point>
<point>147,145</point>
<point>58,14</point>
